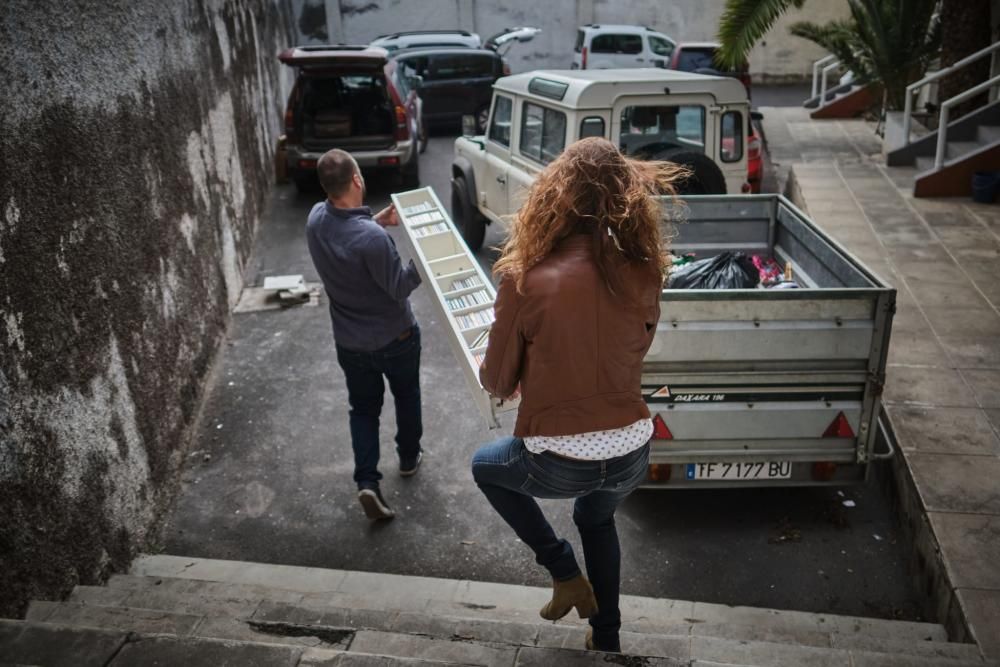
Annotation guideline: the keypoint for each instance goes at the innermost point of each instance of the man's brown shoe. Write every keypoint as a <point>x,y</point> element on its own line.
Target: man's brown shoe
<point>575,592</point>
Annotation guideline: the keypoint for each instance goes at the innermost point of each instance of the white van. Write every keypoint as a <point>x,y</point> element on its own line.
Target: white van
<point>617,46</point>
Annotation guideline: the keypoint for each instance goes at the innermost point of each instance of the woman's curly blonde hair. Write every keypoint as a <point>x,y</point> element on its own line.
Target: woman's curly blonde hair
<point>593,188</point>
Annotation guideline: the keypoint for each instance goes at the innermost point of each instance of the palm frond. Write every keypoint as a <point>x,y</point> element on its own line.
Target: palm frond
<point>744,23</point>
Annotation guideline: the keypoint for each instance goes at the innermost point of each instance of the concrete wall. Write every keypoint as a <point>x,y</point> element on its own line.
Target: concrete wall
<point>779,56</point>
<point>136,142</point>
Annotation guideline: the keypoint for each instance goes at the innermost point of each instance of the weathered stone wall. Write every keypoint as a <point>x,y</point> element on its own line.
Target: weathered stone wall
<point>779,56</point>
<point>136,142</point>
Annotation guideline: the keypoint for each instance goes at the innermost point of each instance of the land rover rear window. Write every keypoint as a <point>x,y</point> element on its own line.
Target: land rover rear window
<point>616,44</point>
<point>543,132</point>
<point>649,131</point>
<point>500,124</point>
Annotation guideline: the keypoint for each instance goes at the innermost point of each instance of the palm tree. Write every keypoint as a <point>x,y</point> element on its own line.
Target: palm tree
<point>744,23</point>
<point>965,30</point>
<point>891,42</point>
<point>965,27</point>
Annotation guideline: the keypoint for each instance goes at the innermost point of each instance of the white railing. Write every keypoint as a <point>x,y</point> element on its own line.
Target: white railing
<point>913,87</point>
<point>816,66</point>
<point>942,139</point>
<point>822,89</point>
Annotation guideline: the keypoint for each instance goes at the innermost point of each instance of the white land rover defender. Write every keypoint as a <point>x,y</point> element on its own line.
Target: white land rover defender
<point>692,119</point>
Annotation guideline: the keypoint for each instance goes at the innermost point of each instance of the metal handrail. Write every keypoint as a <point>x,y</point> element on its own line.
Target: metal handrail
<point>942,138</point>
<point>934,76</point>
<point>816,65</point>
<point>826,70</point>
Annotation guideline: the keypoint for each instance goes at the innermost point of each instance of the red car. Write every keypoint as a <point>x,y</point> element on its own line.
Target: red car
<point>755,160</point>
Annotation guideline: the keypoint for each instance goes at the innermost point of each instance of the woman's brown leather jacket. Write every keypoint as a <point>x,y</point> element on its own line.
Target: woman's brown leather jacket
<point>575,348</point>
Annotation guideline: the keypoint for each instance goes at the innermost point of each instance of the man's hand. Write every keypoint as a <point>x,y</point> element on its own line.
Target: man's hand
<point>387,217</point>
<point>516,395</point>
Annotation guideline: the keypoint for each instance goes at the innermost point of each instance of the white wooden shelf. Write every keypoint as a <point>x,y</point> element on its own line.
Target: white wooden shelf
<point>451,271</point>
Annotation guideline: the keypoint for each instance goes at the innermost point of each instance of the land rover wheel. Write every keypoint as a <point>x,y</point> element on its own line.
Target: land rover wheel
<point>469,221</point>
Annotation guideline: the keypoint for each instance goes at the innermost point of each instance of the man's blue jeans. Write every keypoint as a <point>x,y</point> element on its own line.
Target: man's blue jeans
<point>399,361</point>
<point>511,478</point>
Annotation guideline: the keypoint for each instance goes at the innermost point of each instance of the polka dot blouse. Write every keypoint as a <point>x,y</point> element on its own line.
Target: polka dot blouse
<point>595,445</point>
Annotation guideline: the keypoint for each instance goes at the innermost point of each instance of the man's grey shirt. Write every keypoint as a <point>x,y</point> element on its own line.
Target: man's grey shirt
<point>363,275</point>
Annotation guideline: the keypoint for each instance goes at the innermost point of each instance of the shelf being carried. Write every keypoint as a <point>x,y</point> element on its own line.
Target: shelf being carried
<point>462,292</point>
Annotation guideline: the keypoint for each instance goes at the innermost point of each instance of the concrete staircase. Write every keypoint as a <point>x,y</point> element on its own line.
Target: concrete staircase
<point>172,610</point>
<point>973,145</point>
<point>847,100</point>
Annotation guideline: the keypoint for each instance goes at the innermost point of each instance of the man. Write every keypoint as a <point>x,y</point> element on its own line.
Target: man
<point>374,329</point>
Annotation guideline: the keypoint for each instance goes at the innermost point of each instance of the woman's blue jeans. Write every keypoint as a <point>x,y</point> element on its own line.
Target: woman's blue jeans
<point>511,478</point>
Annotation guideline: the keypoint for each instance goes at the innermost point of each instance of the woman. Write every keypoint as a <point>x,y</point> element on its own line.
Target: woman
<point>576,310</point>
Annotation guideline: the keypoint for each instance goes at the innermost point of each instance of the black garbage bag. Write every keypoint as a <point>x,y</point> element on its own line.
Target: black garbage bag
<point>728,270</point>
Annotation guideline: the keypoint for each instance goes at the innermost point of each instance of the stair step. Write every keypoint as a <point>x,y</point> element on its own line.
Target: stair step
<point>989,133</point>
<point>158,621</point>
<point>500,601</point>
<point>924,164</point>
<point>55,645</point>
<point>957,149</point>
<point>662,637</point>
<point>31,644</point>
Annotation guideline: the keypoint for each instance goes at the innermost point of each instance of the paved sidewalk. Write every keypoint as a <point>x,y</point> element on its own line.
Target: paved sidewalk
<point>943,387</point>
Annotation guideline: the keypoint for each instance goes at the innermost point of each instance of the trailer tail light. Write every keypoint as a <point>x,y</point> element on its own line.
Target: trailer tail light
<point>823,471</point>
<point>660,430</point>
<point>583,58</point>
<point>390,161</point>
<point>839,428</point>
<point>307,164</point>
<point>659,472</point>
<point>402,130</point>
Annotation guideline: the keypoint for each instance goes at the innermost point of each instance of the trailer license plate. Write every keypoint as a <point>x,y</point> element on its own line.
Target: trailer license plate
<point>738,471</point>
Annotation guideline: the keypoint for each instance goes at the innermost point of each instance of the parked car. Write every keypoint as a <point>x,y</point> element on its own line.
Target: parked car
<point>694,120</point>
<point>617,46</point>
<point>700,57</point>
<point>452,82</point>
<point>426,38</point>
<point>350,97</point>
<point>414,39</point>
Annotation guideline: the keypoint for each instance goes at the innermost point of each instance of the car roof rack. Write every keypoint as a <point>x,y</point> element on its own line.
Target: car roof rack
<point>393,35</point>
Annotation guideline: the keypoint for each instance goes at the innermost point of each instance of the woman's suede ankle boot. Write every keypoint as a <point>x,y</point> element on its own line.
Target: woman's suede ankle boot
<point>575,592</point>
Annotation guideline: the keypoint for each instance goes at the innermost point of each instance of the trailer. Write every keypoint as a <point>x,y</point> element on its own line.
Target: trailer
<point>747,387</point>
